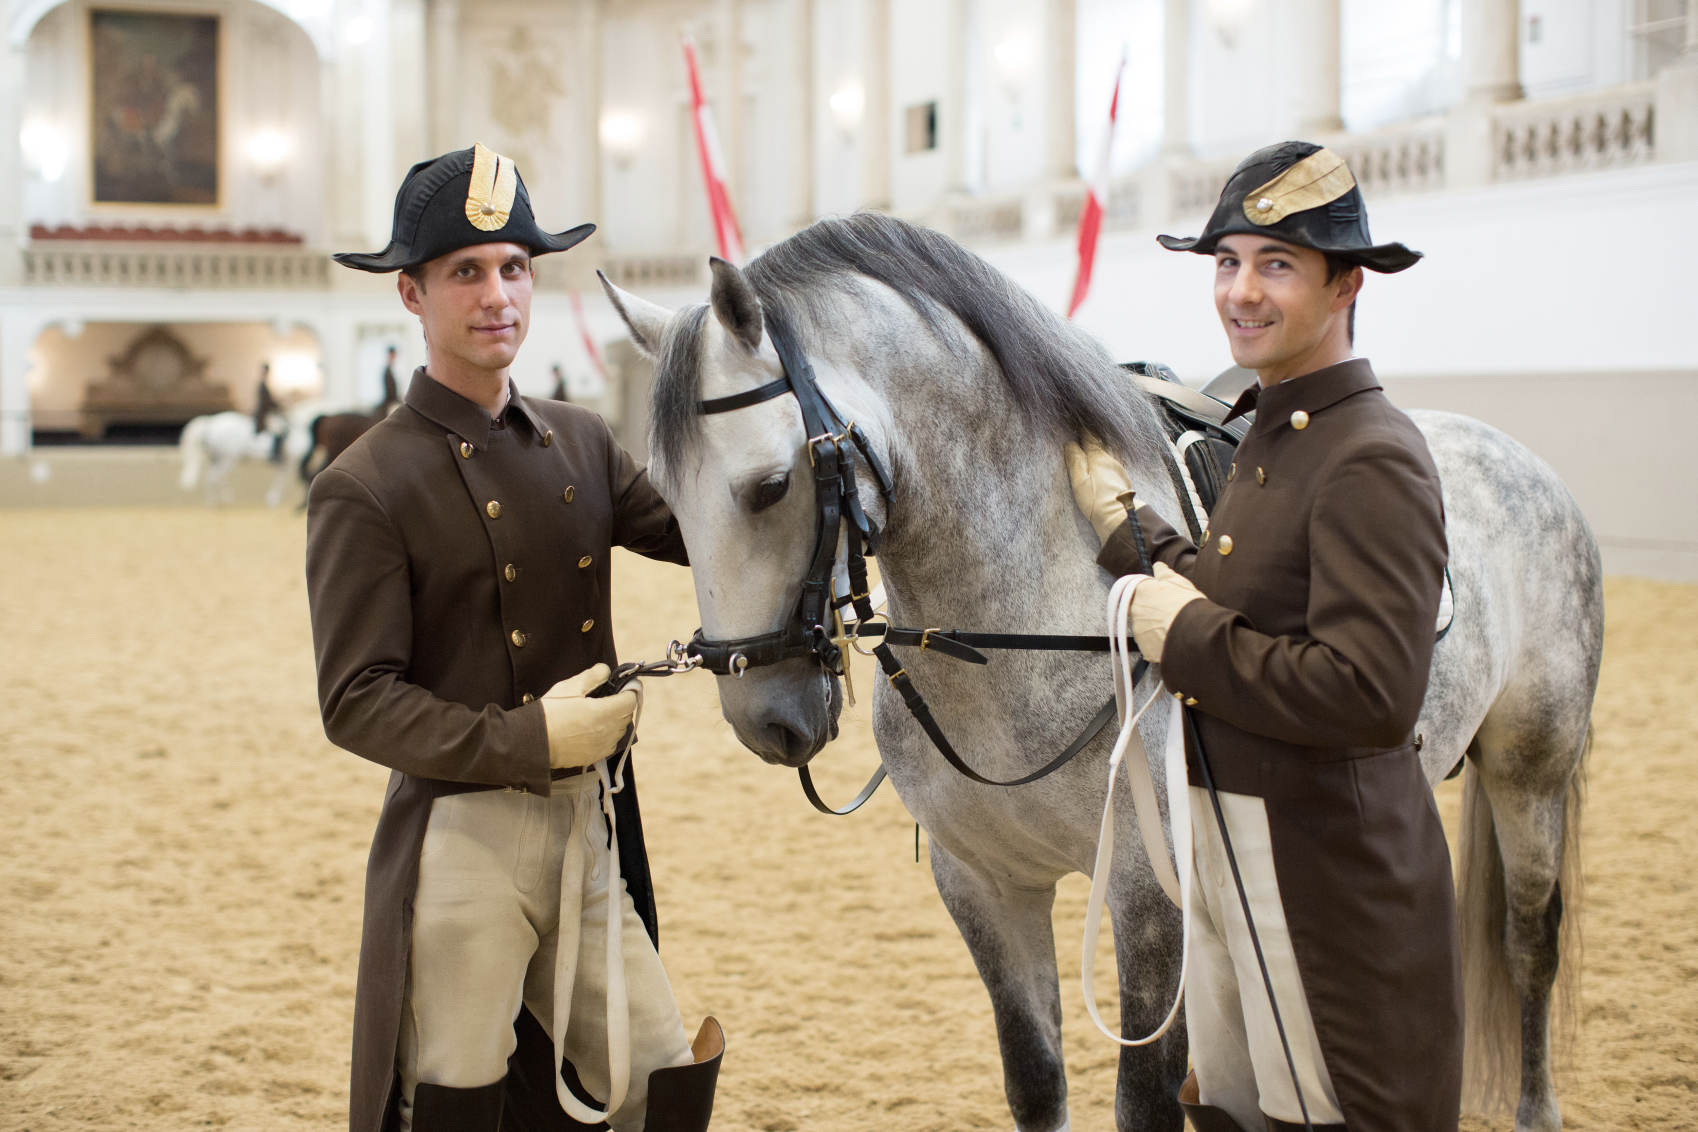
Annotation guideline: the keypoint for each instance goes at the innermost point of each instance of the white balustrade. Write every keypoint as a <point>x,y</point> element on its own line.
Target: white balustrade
<point>1605,130</point>
<point>79,263</point>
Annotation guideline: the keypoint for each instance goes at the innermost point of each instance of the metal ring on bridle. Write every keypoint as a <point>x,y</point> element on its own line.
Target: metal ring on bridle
<point>855,637</point>
<point>738,664</point>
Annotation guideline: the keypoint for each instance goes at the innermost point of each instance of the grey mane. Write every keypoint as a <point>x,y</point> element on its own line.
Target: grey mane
<point>1060,377</point>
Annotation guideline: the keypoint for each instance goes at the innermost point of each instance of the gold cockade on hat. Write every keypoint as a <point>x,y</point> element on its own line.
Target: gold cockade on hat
<point>1318,179</point>
<point>489,197</point>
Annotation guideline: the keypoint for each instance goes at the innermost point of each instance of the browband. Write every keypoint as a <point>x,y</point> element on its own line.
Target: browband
<point>746,398</point>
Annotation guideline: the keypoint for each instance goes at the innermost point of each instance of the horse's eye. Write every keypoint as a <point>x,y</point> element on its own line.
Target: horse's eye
<point>768,492</point>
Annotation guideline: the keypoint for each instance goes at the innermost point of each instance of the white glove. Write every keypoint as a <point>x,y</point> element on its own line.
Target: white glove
<point>1155,604</point>
<point>581,730</point>
<point>1101,489</point>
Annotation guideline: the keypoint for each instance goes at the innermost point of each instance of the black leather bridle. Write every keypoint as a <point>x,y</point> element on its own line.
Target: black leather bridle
<point>816,629</point>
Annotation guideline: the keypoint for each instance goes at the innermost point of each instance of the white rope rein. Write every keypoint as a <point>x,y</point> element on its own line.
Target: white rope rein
<point>618,995</point>
<point>1174,875</point>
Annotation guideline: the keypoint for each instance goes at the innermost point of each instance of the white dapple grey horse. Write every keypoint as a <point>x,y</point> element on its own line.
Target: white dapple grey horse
<point>966,388</point>
<point>212,446</point>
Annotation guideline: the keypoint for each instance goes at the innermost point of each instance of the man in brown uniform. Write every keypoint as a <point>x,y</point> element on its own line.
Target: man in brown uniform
<point>1298,635</point>
<point>458,573</point>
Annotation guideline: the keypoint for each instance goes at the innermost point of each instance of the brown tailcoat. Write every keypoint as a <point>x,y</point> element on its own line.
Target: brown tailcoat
<point>1307,664</point>
<point>457,567</point>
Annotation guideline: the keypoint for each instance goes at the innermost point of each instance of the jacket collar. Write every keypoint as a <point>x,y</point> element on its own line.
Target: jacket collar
<point>1310,393</point>
<point>436,402</point>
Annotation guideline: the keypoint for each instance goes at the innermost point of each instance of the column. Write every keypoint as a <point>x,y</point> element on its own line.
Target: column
<point>442,87</point>
<point>1176,78</point>
<point>1318,50</point>
<point>18,332</point>
<point>875,142</point>
<point>1491,51</point>
<point>1676,107</point>
<point>409,54</point>
<point>954,119</point>
<point>14,64</point>
<point>728,112</point>
<point>590,48</point>
<point>804,108</point>
<point>1060,131</point>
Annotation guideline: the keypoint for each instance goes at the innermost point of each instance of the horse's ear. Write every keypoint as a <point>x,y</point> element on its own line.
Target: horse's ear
<point>735,303</point>
<point>645,320</point>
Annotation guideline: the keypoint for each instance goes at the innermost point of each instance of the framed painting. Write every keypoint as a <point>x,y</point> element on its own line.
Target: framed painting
<point>154,107</point>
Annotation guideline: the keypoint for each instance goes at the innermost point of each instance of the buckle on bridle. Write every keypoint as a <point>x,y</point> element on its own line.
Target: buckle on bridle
<point>814,442</point>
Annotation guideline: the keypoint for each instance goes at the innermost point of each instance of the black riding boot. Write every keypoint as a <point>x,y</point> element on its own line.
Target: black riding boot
<point>681,1098</point>
<point>1288,1126</point>
<point>437,1108</point>
<point>1204,1117</point>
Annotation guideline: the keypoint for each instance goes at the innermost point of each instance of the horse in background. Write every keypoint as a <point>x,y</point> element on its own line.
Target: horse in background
<point>212,446</point>
<point>329,434</point>
<point>966,388</point>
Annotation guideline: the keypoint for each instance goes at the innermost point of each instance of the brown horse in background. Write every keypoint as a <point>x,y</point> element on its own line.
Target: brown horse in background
<point>329,436</point>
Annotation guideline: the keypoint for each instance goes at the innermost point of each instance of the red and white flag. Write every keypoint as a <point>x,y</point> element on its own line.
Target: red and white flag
<point>590,347</point>
<point>1096,196</point>
<point>725,228</point>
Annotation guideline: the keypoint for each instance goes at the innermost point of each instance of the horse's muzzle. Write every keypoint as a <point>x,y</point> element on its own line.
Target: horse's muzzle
<point>785,717</point>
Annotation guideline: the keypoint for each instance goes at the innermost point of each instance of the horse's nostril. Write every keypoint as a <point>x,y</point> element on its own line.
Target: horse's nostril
<point>791,746</point>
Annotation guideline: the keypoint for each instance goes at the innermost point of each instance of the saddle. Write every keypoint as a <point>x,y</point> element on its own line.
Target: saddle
<point>1202,438</point>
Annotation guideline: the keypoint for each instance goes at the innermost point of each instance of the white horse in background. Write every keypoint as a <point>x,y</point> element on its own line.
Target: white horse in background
<point>212,446</point>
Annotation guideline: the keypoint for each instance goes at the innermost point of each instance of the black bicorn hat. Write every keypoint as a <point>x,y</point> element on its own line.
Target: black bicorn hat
<point>1303,194</point>
<point>470,196</point>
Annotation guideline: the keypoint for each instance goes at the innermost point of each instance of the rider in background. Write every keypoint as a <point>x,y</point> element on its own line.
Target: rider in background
<point>1299,633</point>
<point>459,577</point>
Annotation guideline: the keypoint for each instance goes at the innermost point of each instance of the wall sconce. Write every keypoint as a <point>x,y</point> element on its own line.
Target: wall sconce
<point>1013,60</point>
<point>268,151</point>
<point>45,149</point>
<point>294,373</point>
<point>358,31</point>
<point>847,104</point>
<point>1228,18</point>
<point>621,136</point>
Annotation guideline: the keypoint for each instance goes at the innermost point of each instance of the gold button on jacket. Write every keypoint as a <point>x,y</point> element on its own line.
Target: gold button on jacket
<point>493,509</point>
<point>518,638</point>
<point>583,563</point>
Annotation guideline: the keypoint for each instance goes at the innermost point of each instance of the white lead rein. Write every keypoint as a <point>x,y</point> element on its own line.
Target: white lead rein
<point>618,996</point>
<point>1175,881</point>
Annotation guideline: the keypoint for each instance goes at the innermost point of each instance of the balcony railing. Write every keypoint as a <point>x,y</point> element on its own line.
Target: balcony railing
<point>1596,131</point>
<point>76,263</point>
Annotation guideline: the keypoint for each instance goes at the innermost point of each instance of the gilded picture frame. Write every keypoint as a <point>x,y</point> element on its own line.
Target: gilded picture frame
<point>155,107</point>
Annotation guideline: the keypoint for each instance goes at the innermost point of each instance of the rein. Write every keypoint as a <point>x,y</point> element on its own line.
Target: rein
<point>832,445</point>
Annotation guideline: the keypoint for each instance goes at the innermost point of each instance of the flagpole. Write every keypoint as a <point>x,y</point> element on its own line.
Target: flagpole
<point>726,232</point>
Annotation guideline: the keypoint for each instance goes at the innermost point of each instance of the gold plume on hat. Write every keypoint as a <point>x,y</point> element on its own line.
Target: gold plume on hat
<point>1318,179</point>
<point>489,197</point>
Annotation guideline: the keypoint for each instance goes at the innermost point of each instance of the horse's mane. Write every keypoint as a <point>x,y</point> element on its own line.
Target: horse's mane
<point>1060,377</point>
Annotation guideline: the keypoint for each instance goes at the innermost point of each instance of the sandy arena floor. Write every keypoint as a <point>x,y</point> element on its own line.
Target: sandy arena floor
<point>180,886</point>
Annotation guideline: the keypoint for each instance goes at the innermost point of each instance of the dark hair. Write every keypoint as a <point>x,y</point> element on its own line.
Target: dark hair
<point>1337,265</point>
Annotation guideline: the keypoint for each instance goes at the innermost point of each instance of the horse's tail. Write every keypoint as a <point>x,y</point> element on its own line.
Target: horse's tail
<point>1492,1067</point>
<point>312,447</point>
<point>193,452</point>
